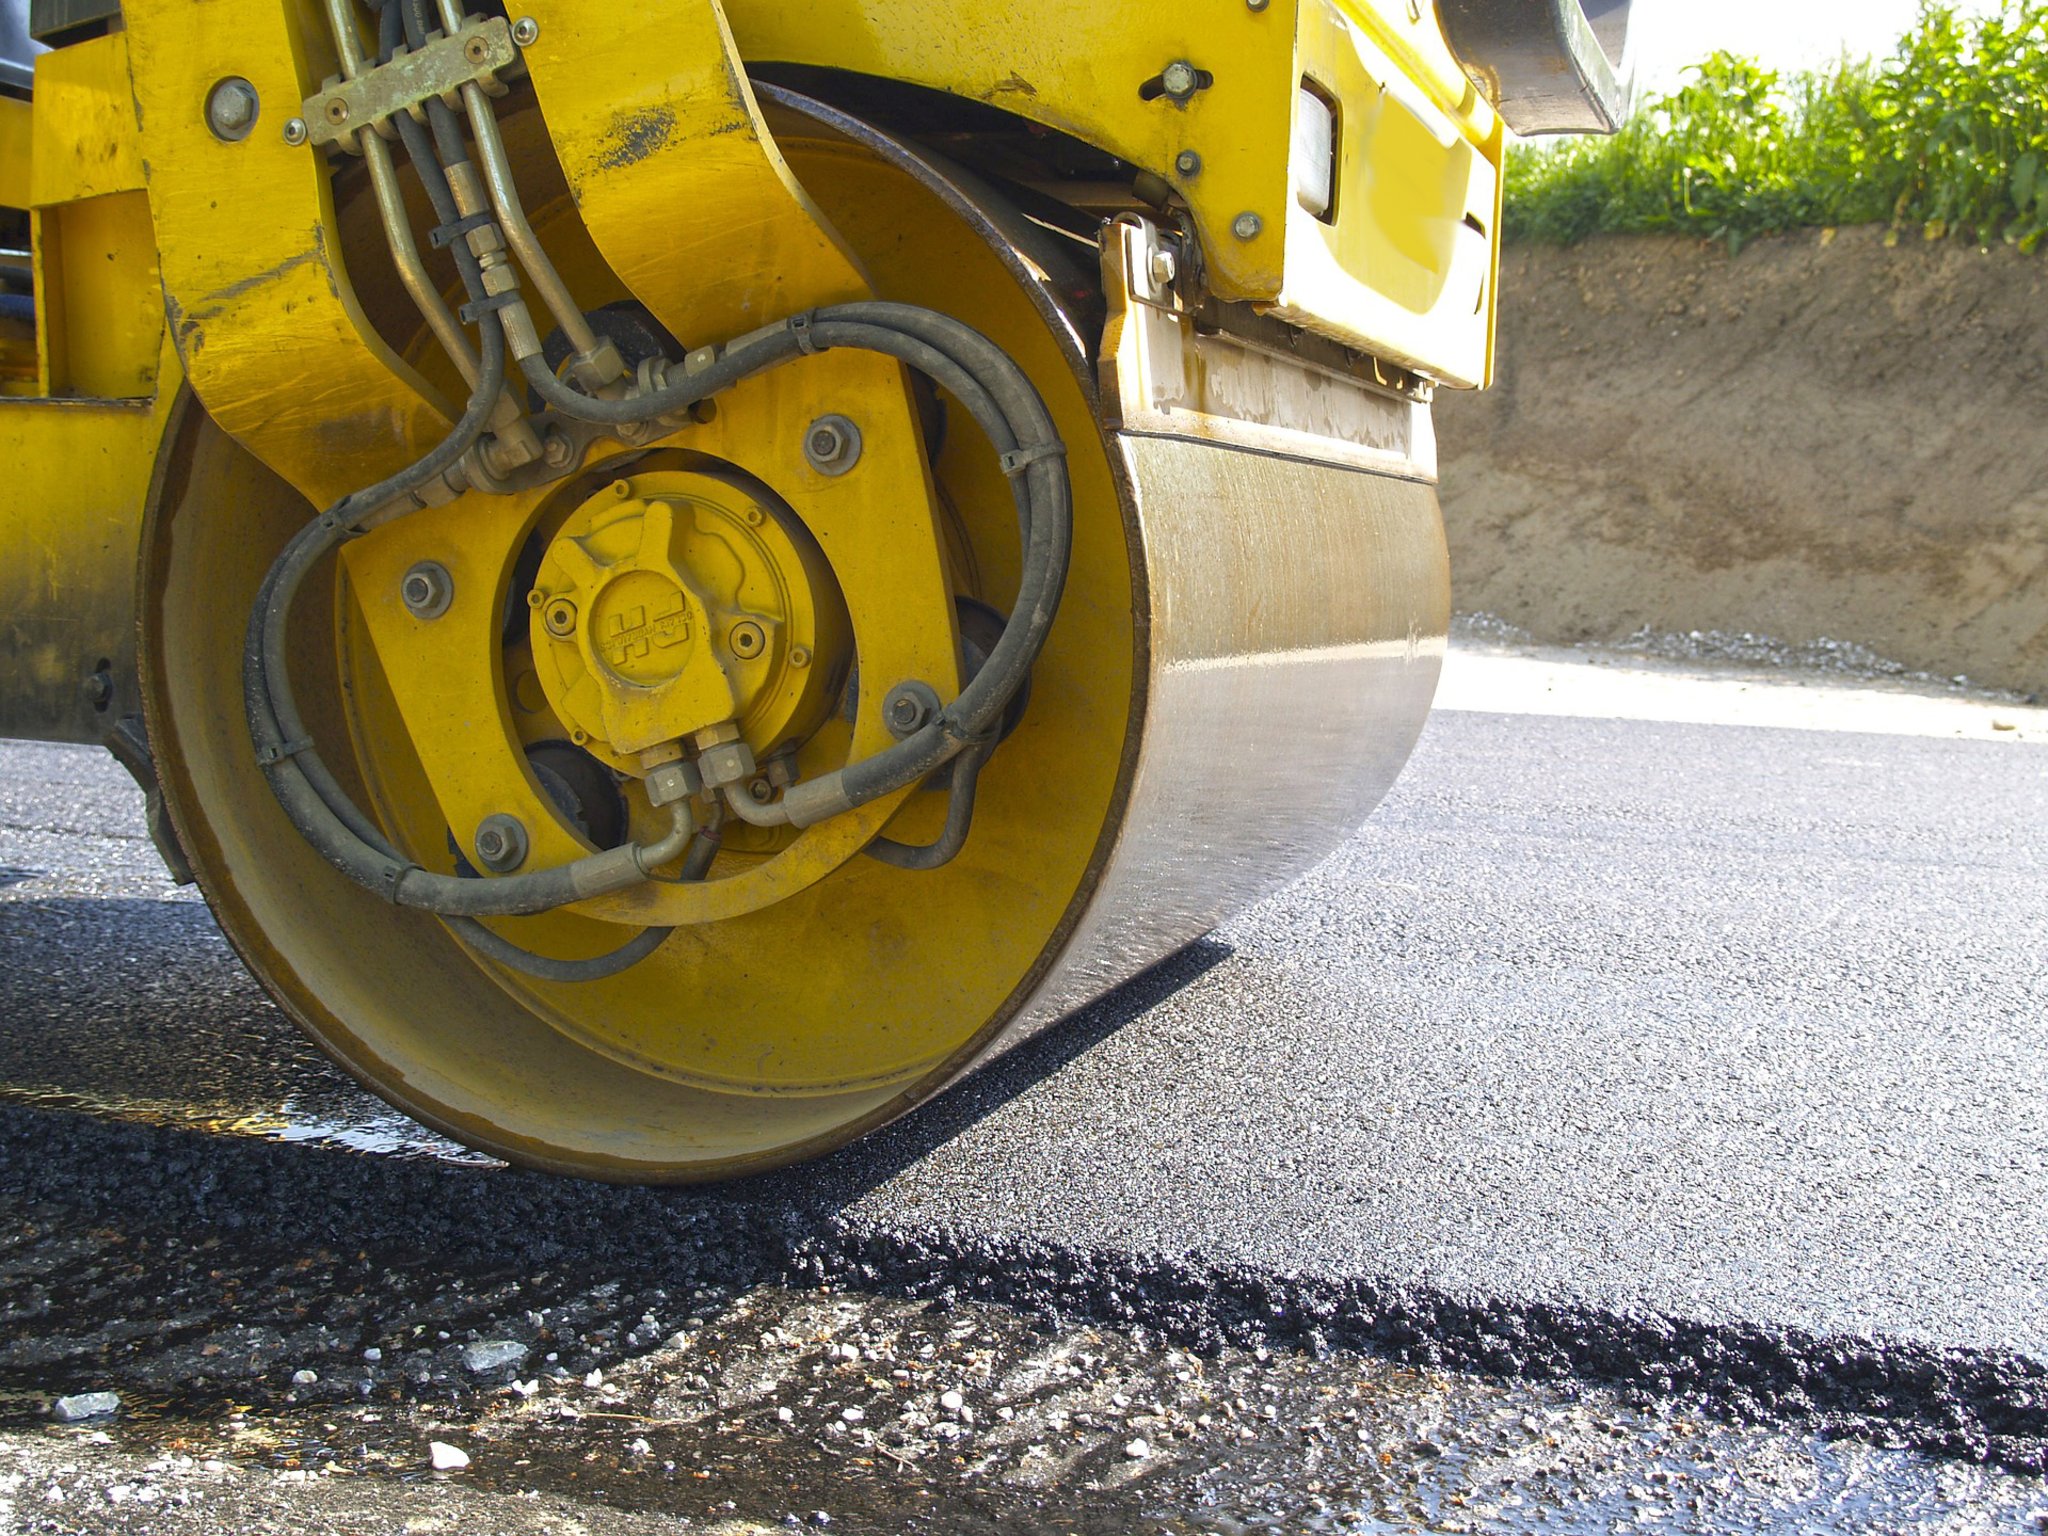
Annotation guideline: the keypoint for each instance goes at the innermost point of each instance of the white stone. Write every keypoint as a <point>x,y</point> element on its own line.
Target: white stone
<point>304,1378</point>
<point>1138,1450</point>
<point>952,1401</point>
<point>482,1358</point>
<point>446,1457</point>
<point>85,1405</point>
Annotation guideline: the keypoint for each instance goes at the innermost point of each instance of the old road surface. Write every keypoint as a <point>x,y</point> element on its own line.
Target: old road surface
<point>1641,1124</point>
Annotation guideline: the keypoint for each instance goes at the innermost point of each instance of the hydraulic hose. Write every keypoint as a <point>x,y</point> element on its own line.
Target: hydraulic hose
<point>986,382</point>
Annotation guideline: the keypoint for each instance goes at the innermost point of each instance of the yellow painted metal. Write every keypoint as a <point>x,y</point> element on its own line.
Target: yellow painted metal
<point>1088,69</point>
<point>86,142</point>
<point>1417,205</point>
<point>741,1042</point>
<point>80,473</point>
<point>674,601</point>
<point>677,178</point>
<point>17,125</point>
<point>874,525</point>
<point>272,337</point>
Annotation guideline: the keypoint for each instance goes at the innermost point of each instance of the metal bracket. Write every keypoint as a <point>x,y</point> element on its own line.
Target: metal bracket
<point>441,67</point>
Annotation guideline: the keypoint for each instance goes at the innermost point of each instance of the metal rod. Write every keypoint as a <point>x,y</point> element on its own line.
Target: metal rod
<point>398,235</point>
<point>519,235</point>
<point>341,21</point>
<point>405,254</point>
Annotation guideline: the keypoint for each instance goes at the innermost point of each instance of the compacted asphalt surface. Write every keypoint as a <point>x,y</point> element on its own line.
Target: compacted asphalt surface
<point>1699,1061</point>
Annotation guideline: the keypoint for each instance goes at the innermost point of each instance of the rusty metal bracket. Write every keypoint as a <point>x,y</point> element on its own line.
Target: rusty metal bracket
<point>441,67</point>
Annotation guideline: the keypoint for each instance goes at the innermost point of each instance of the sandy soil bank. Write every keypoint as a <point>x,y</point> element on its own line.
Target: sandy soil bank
<point>1819,437</point>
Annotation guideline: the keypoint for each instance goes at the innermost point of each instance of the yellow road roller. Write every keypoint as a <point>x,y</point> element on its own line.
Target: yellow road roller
<point>679,573</point>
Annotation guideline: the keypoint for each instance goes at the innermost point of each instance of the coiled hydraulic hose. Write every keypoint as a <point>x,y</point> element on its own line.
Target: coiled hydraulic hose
<point>988,384</point>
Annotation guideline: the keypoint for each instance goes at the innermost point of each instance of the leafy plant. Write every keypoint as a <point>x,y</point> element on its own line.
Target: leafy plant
<point>1949,135</point>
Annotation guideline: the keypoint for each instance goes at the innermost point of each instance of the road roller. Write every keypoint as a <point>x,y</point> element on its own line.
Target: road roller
<point>681,573</point>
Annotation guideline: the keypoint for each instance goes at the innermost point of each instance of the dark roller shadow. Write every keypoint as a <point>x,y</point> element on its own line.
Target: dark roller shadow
<point>125,1001</point>
<point>843,1177</point>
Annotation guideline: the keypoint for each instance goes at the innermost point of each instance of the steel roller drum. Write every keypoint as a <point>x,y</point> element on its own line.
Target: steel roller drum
<point>1246,654</point>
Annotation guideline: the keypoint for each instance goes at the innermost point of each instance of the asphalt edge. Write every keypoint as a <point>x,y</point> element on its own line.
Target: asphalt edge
<point>1976,1405</point>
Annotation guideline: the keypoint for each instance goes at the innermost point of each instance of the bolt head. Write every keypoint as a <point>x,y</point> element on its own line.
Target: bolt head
<point>1247,226</point>
<point>1188,163</point>
<point>556,451</point>
<point>336,110</point>
<point>1179,79</point>
<point>832,445</point>
<point>1162,267</point>
<point>426,590</point>
<point>476,50</point>
<point>295,130</point>
<point>231,108</point>
<point>1255,5</point>
<point>560,618</point>
<point>501,843</point>
<point>524,31</point>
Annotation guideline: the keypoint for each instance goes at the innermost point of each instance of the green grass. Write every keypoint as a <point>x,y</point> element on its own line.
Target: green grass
<point>1947,136</point>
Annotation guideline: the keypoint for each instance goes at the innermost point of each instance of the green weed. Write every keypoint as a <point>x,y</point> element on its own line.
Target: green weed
<point>1948,135</point>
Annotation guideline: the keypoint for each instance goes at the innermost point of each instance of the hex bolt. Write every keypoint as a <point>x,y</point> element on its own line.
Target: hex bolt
<point>501,843</point>
<point>832,445</point>
<point>295,130</point>
<point>1179,80</point>
<point>1162,267</point>
<point>1188,163</point>
<point>1246,226</point>
<point>909,708</point>
<point>524,31</point>
<point>231,109</point>
<point>747,640</point>
<point>559,618</point>
<point>427,590</point>
<point>557,451</point>
<point>99,690</point>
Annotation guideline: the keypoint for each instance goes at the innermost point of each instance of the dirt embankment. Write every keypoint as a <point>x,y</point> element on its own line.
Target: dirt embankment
<point>1819,437</point>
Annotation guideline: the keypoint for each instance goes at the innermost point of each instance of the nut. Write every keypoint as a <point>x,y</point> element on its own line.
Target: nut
<point>729,762</point>
<point>1162,267</point>
<point>427,590</point>
<point>832,445</point>
<point>670,782</point>
<point>909,708</point>
<point>501,843</point>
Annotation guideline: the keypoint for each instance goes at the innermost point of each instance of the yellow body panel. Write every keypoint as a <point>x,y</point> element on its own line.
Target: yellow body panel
<point>273,340</point>
<point>1389,274</point>
<point>677,177</point>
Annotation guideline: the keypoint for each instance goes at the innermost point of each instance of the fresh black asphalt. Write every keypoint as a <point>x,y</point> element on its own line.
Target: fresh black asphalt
<point>1702,1058</point>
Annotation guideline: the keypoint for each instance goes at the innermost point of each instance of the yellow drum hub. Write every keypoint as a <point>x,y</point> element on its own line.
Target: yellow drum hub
<point>680,600</point>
